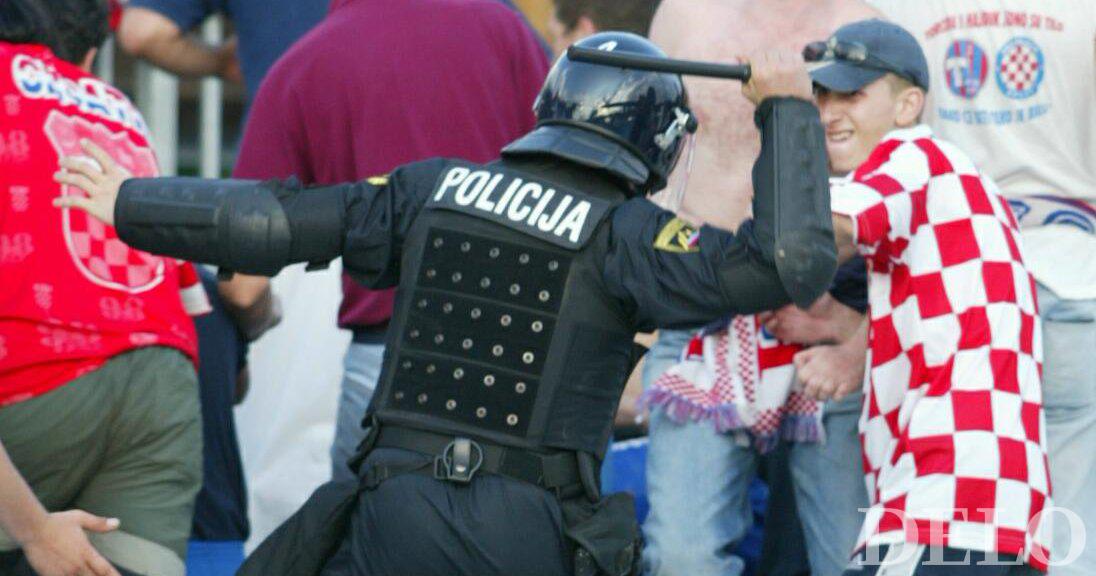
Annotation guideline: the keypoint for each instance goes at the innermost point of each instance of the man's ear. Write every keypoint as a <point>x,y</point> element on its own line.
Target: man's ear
<point>910,103</point>
<point>89,60</point>
<point>584,27</point>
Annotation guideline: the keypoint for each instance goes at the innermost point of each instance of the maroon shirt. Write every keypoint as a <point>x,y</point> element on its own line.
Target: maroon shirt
<point>380,83</point>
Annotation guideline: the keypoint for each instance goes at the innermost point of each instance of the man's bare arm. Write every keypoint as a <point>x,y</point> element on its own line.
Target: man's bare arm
<point>844,238</point>
<point>251,303</point>
<point>150,35</point>
<point>54,544</point>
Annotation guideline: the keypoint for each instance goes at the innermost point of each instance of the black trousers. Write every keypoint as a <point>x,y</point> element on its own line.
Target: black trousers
<point>415,525</point>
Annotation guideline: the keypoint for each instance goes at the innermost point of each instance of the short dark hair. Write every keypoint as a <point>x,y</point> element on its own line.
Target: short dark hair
<point>26,22</point>
<point>69,27</point>
<point>626,15</point>
<point>81,25</point>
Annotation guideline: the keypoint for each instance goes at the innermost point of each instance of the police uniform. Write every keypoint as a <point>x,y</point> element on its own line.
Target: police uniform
<point>521,285</point>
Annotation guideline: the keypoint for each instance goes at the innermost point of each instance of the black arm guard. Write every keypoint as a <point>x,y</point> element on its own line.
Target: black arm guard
<point>241,225</point>
<point>791,203</point>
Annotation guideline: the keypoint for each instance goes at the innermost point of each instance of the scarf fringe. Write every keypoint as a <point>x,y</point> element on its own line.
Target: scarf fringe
<point>802,428</point>
<point>725,418</point>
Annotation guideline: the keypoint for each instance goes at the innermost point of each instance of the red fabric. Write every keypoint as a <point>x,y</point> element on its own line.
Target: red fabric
<point>738,377</point>
<point>115,7</point>
<point>378,84</point>
<point>953,428</point>
<point>72,294</point>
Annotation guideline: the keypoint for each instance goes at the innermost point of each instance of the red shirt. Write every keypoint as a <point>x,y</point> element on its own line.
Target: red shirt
<point>378,84</point>
<point>72,294</point>
<point>953,430</point>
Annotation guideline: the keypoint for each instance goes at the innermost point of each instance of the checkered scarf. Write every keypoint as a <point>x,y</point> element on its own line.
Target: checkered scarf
<point>738,377</point>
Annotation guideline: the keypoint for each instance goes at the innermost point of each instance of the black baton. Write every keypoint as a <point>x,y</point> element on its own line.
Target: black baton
<point>653,64</point>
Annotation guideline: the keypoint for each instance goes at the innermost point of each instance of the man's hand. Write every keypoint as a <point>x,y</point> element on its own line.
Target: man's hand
<point>827,321</point>
<point>59,547</point>
<point>777,73</point>
<point>832,371</point>
<point>228,67</point>
<point>100,179</point>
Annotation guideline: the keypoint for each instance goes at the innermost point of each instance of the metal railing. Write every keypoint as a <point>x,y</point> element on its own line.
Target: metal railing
<point>157,96</point>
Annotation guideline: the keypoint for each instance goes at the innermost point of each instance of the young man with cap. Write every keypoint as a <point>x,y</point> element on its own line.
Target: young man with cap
<point>1016,92</point>
<point>952,425</point>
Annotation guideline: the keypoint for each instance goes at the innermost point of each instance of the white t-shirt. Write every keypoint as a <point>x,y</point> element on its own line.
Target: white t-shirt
<point>1013,84</point>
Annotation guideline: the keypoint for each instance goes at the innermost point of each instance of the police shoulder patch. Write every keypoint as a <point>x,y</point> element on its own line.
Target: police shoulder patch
<point>381,180</point>
<point>678,236</point>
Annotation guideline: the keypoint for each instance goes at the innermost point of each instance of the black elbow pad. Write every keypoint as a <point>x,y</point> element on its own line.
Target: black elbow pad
<point>806,267</point>
<point>803,246</point>
<point>236,224</point>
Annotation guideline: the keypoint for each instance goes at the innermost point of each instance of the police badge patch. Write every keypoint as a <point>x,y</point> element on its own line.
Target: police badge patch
<point>678,236</point>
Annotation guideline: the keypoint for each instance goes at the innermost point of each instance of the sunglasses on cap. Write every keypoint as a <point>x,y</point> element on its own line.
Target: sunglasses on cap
<point>854,52</point>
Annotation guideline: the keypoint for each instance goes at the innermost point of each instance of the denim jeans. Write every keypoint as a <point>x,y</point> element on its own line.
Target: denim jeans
<point>362,368</point>
<point>1069,398</point>
<point>697,482</point>
<point>214,557</point>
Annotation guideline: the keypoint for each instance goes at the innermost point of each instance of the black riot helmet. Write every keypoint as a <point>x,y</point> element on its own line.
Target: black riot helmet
<point>631,123</point>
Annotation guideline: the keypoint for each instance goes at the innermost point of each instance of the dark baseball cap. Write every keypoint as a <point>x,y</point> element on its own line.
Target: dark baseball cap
<point>862,52</point>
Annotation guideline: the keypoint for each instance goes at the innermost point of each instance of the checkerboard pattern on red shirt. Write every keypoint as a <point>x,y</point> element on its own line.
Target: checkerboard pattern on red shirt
<point>108,257</point>
<point>953,426</point>
<point>72,295</point>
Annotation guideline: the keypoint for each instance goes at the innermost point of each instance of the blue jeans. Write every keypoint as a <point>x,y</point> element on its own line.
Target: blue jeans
<point>214,557</point>
<point>1069,398</point>
<point>362,368</point>
<point>697,482</point>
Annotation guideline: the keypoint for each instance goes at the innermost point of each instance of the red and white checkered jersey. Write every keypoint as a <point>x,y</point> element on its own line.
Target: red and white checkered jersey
<point>952,429</point>
<point>72,294</point>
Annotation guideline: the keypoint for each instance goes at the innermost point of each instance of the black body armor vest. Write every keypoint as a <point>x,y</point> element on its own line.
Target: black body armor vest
<point>502,329</point>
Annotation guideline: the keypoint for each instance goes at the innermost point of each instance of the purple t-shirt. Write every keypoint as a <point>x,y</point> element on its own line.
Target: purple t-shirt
<point>380,83</point>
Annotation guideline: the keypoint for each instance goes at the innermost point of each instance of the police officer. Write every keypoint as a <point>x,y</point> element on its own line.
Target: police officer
<point>521,285</point>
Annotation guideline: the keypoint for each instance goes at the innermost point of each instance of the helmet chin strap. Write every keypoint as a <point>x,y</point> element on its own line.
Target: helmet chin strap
<point>683,122</point>
<point>671,198</point>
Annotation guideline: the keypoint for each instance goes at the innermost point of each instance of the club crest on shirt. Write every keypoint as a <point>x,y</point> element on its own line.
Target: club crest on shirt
<point>678,236</point>
<point>965,68</point>
<point>1020,68</point>
<point>96,251</point>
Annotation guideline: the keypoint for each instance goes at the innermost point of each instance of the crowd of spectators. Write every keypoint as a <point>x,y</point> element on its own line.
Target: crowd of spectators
<point>947,363</point>
<point>694,531</point>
